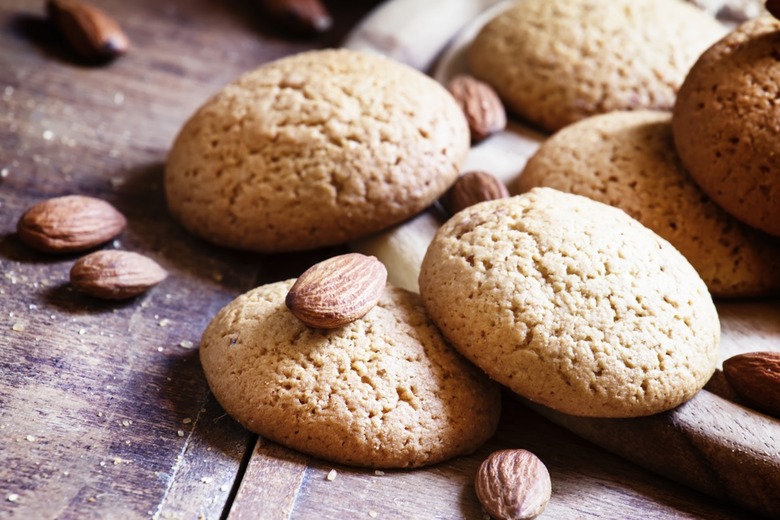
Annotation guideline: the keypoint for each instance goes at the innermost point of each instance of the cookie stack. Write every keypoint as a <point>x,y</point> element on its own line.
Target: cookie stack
<point>566,299</point>
<point>315,150</point>
<point>703,177</point>
<point>596,302</point>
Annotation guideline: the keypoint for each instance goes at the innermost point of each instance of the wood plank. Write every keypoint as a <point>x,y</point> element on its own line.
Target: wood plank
<point>587,483</point>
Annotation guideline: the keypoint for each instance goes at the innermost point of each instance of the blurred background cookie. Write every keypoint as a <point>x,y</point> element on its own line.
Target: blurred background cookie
<point>628,160</point>
<point>726,123</point>
<point>384,391</point>
<point>314,150</point>
<point>557,61</point>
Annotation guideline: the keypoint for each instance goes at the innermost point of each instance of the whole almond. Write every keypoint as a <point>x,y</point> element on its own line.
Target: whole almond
<point>300,16</point>
<point>480,103</point>
<point>91,32</point>
<point>115,275</point>
<point>773,6</point>
<point>513,485</point>
<point>755,377</point>
<point>337,291</point>
<point>472,188</point>
<point>71,223</point>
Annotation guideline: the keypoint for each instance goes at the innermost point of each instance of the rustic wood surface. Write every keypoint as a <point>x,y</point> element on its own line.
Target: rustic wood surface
<point>104,411</point>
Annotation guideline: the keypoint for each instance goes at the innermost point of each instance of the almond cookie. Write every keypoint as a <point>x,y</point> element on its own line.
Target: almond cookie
<point>384,391</point>
<point>557,61</point>
<point>572,304</point>
<point>628,160</point>
<point>314,150</point>
<point>726,123</point>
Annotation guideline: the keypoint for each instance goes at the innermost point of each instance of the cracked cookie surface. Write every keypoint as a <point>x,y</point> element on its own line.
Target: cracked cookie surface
<point>554,62</point>
<point>628,160</point>
<point>384,391</point>
<point>726,123</point>
<point>314,150</point>
<point>572,304</point>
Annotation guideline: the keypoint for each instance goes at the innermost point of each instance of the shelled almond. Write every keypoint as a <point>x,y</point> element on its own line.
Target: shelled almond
<point>69,224</point>
<point>337,291</point>
<point>115,275</point>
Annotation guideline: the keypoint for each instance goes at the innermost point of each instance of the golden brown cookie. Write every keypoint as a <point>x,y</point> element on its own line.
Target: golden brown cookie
<point>384,391</point>
<point>572,304</point>
<point>628,160</point>
<point>315,149</point>
<point>557,61</point>
<point>726,123</point>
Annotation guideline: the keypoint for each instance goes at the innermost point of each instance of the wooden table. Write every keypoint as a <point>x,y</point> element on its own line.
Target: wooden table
<point>104,410</point>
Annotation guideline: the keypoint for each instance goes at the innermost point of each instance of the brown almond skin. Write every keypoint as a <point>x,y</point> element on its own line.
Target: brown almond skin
<point>93,35</point>
<point>480,103</point>
<point>755,377</point>
<point>115,275</point>
<point>304,17</point>
<point>472,188</point>
<point>513,485</point>
<point>69,224</point>
<point>773,6</point>
<point>337,291</point>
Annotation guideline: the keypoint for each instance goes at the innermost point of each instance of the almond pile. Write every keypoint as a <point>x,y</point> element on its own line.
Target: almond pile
<point>75,223</point>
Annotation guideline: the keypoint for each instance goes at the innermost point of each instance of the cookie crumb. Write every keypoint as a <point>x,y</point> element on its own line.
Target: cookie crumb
<point>331,475</point>
<point>186,420</point>
<point>379,472</point>
<point>126,422</point>
<point>12,497</point>
<point>186,344</point>
<point>180,433</point>
<point>373,514</point>
<point>18,326</point>
<point>31,438</point>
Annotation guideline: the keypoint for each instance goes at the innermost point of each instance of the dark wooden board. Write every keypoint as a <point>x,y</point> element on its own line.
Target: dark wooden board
<point>104,410</point>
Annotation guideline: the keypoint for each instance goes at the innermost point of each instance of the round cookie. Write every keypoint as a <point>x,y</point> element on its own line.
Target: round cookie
<point>628,160</point>
<point>313,150</point>
<point>726,123</point>
<point>555,62</point>
<point>384,391</point>
<point>572,304</point>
